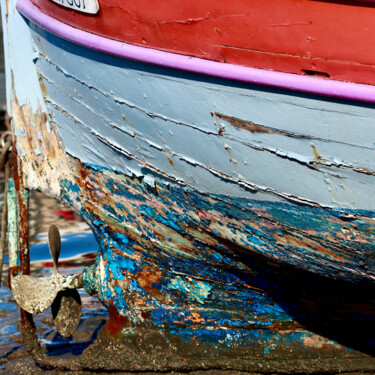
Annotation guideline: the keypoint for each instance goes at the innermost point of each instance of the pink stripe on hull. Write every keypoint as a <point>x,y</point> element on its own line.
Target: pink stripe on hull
<point>321,86</point>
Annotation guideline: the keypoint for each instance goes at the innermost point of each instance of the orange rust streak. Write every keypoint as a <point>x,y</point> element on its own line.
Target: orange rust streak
<point>148,276</point>
<point>247,125</point>
<point>116,322</point>
<point>24,254</point>
<point>27,322</point>
<point>171,162</point>
<point>288,239</point>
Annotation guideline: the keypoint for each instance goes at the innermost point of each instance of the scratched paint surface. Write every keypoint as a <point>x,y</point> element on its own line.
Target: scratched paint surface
<point>192,265</point>
<point>143,120</point>
<point>198,252</point>
<point>256,216</point>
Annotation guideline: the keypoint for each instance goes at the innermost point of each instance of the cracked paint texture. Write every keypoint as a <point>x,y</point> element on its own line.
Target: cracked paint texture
<point>206,270</point>
<point>221,230</point>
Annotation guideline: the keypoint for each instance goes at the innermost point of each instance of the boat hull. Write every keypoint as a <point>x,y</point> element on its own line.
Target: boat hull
<point>192,300</point>
<point>279,190</point>
<point>235,221</point>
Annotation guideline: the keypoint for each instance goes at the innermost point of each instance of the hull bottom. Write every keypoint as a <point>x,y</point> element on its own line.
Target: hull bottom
<point>152,350</point>
<point>197,282</point>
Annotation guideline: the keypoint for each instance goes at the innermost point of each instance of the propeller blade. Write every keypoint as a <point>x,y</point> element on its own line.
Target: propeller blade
<point>54,243</point>
<point>35,295</point>
<point>66,311</point>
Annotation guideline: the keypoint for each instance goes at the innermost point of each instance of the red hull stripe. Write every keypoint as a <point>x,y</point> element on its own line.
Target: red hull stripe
<point>258,76</point>
<point>324,38</point>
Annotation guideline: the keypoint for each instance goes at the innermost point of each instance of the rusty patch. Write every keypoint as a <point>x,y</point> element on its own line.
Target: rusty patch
<point>24,255</point>
<point>147,277</point>
<point>116,322</point>
<point>318,158</point>
<point>250,126</point>
<point>42,87</point>
<point>171,162</point>
<point>257,128</point>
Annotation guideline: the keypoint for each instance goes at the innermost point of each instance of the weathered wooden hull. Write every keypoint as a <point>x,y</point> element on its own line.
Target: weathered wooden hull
<point>235,221</point>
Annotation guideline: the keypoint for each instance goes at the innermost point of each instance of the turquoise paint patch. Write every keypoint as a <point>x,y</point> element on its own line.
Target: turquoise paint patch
<point>196,290</point>
<point>254,240</point>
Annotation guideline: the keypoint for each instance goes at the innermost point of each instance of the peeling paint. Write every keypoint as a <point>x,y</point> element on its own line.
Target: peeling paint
<point>197,290</point>
<point>202,265</point>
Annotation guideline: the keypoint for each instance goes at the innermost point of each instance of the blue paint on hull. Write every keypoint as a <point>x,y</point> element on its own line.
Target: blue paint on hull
<point>211,234</point>
<point>243,296</point>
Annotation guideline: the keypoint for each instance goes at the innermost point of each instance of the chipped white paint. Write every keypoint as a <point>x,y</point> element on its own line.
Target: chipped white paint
<point>163,125</point>
<point>147,121</point>
<point>51,157</point>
